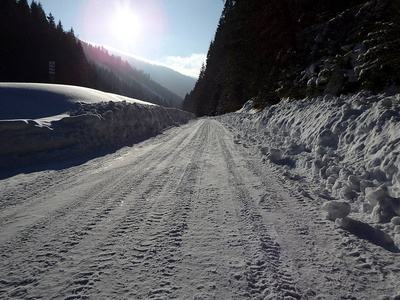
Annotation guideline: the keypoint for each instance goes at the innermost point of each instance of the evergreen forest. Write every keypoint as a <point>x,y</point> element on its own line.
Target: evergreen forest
<point>266,50</point>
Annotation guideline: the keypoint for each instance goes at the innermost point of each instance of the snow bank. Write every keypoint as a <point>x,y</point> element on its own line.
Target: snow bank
<point>72,121</point>
<point>38,100</point>
<point>349,145</point>
<point>336,209</point>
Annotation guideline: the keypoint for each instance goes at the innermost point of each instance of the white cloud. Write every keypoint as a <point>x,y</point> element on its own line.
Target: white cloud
<point>186,65</point>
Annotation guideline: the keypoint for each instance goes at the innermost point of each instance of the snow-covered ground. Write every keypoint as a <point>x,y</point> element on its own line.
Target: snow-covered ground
<point>298,201</point>
<point>348,146</point>
<point>45,122</point>
<point>187,214</point>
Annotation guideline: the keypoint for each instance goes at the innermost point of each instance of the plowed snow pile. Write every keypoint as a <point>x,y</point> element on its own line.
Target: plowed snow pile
<point>43,122</point>
<point>349,146</point>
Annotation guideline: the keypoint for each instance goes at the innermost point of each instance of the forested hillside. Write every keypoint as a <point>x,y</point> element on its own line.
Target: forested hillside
<point>295,48</point>
<point>113,74</point>
<point>176,82</point>
<point>30,39</point>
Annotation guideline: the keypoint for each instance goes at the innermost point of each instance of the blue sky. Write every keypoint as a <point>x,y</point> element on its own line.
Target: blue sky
<point>175,33</point>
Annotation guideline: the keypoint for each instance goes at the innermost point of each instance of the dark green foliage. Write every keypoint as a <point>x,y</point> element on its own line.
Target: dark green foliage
<point>262,50</point>
<point>383,59</point>
<point>248,52</point>
<point>29,39</point>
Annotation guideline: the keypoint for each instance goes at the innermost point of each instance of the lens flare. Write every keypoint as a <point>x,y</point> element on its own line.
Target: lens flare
<point>138,27</point>
<point>126,25</point>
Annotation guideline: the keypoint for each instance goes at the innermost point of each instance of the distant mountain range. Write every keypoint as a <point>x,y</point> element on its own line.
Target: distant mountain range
<point>174,81</point>
<point>115,74</point>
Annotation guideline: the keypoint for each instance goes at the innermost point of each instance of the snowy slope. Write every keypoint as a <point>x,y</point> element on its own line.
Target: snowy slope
<point>42,122</point>
<point>348,146</point>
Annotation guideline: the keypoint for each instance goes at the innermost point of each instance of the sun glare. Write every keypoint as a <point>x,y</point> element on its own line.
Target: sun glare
<point>126,26</point>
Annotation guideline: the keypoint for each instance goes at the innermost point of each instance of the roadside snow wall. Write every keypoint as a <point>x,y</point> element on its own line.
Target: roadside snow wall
<point>87,126</point>
<point>348,145</point>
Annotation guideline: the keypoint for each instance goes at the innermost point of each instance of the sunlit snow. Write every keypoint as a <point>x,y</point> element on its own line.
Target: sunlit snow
<point>349,146</point>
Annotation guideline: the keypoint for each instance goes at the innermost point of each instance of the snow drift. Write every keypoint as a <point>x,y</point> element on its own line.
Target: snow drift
<point>42,122</point>
<point>348,145</point>
<point>38,100</point>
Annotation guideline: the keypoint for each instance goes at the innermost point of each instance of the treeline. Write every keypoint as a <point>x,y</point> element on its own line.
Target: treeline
<point>261,48</point>
<point>30,39</point>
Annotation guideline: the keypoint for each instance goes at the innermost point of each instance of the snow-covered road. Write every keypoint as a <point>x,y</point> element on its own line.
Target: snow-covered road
<point>188,214</point>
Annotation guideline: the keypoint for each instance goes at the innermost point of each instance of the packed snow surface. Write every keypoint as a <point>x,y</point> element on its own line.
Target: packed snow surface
<point>187,214</point>
<point>44,122</point>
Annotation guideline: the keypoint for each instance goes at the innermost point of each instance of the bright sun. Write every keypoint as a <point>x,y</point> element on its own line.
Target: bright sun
<point>126,26</point>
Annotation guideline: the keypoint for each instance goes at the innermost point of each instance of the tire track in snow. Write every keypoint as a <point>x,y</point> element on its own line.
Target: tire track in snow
<point>185,215</point>
<point>152,241</point>
<point>128,241</point>
<point>67,226</point>
<point>212,259</point>
<point>155,244</point>
<point>353,266</point>
<point>330,262</point>
<point>266,275</point>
